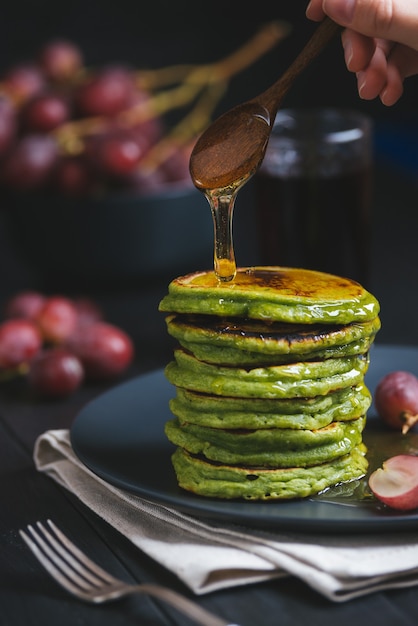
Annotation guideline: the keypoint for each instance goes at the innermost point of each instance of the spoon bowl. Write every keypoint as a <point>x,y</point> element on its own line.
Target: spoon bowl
<point>232,148</point>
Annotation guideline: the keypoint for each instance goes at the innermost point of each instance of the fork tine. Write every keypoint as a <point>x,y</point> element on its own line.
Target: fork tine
<point>75,557</point>
<point>62,559</point>
<point>74,571</point>
<point>49,565</point>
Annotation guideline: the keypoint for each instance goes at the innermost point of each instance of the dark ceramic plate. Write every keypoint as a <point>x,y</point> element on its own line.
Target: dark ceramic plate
<point>120,437</point>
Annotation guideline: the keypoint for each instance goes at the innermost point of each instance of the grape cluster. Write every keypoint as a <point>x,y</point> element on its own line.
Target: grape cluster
<point>59,342</point>
<point>73,130</point>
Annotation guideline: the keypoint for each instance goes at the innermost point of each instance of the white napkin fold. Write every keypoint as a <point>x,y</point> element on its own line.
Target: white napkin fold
<point>209,557</point>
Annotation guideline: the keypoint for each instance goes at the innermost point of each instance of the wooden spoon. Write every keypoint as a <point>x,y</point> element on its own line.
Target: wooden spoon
<point>231,149</point>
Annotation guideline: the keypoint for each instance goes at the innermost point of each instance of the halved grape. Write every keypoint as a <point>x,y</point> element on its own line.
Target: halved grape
<point>396,482</point>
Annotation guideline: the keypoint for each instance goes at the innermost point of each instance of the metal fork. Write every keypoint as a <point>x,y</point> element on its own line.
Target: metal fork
<point>79,575</point>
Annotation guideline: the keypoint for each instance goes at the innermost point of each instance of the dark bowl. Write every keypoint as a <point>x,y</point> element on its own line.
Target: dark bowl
<point>114,239</point>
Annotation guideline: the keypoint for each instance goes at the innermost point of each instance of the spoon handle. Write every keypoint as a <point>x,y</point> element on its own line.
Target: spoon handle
<point>273,96</point>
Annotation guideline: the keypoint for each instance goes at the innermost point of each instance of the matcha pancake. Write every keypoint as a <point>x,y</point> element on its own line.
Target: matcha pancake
<point>298,413</point>
<point>221,481</point>
<point>301,379</point>
<point>273,447</point>
<point>251,342</point>
<point>274,294</point>
<point>271,401</point>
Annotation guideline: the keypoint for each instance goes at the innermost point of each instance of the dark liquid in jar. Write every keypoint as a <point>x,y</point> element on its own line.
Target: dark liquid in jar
<point>319,223</point>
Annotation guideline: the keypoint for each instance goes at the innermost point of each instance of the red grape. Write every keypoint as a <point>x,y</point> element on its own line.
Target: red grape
<point>47,144</point>
<point>57,319</point>
<point>149,132</point>
<point>29,162</point>
<point>23,80</point>
<point>56,373</point>
<point>26,304</point>
<point>119,152</point>
<point>20,342</point>
<point>176,165</point>
<point>87,311</point>
<point>60,59</point>
<point>107,92</point>
<point>59,341</point>
<point>8,124</point>
<point>72,176</point>
<point>44,112</point>
<point>146,180</point>
<point>151,129</point>
<point>396,400</point>
<point>104,350</point>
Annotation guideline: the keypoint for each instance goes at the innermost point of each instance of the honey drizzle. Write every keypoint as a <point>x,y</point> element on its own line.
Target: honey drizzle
<point>222,203</point>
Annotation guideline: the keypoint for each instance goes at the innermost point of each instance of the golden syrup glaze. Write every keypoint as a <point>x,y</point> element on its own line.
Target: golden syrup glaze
<point>290,282</point>
<point>277,293</point>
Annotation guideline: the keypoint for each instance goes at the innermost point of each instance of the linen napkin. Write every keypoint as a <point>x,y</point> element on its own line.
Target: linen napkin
<point>209,557</point>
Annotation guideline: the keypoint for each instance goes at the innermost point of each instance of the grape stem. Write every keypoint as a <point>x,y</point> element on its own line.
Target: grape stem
<point>264,40</point>
<point>186,129</point>
<point>204,84</point>
<point>409,420</point>
<point>15,372</point>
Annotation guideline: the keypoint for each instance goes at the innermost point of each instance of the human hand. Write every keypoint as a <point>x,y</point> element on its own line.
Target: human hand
<point>380,42</point>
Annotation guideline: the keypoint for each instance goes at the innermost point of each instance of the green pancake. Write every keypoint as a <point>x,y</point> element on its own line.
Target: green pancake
<point>219,481</point>
<point>275,294</point>
<point>270,398</point>
<point>303,379</point>
<point>251,342</point>
<point>273,447</point>
<point>298,413</point>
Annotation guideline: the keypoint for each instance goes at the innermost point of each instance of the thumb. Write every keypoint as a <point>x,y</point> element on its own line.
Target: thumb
<point>395,20</point>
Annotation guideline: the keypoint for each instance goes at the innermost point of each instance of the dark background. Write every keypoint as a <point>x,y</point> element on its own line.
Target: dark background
<point>156,34</point>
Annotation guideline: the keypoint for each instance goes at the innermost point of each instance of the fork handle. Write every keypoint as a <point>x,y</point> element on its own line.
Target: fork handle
<point>182,604</point>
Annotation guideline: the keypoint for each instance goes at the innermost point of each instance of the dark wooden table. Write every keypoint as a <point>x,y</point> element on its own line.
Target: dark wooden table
<point>29,597</point>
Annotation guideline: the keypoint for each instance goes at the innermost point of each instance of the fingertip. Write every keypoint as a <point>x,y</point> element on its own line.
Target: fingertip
<point>361,84</point>
<point>314,11</point>
<point>341,11</point>
<point>393,89</point>
<point>358,50</point>
<point>348,53</point>
<point>388,98</point>
<point>370,84</point>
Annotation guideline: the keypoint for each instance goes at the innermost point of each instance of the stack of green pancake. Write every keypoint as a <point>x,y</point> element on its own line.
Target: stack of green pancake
<point>269,375</point>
